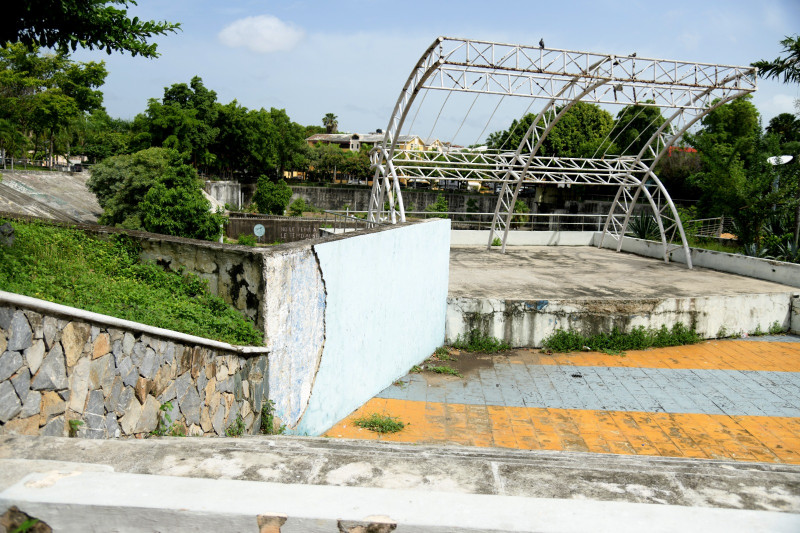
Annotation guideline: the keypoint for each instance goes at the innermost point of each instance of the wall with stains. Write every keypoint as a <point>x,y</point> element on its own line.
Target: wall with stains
<point>528,323</point>
<point>293,307</point>
<point>385,306</point>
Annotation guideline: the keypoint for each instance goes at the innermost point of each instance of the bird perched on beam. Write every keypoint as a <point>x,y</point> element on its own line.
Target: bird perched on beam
<point>541,43</point>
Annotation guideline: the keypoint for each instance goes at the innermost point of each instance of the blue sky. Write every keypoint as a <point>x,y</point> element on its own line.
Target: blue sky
<point>351,57</point>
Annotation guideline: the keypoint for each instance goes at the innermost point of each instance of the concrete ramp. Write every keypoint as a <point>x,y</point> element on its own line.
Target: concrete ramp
<point>61,196</point>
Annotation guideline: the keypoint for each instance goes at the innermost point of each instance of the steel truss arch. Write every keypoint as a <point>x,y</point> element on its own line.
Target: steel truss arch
<point>561,78</point>
<point>662,144</point>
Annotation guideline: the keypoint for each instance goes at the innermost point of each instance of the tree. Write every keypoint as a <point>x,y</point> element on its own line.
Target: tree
<point>330,122</point>
<point>175,205</point>
<point>121,182</point>
<point>786,126</point>
<point>89,24</point>
<point>43,94</point>
<point>634,126</point>
<point>735,178</point>
<point>579,133</point>
<point>184,120</point>
<point>788,67</point>
<point>270,197</point>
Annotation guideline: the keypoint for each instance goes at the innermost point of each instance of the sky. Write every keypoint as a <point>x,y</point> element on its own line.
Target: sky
<point>352,57</point>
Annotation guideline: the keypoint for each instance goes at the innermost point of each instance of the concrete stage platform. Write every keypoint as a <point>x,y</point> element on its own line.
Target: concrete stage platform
<point>523,296</point>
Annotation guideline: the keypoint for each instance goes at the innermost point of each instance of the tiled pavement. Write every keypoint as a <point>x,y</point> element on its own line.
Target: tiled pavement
<point>735,400</point>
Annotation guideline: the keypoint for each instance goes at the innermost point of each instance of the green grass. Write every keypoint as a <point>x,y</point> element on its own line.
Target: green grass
<point>617,342</point>
<point>477,341</point>
<point>380,423</point>
<point>444,369</point>
<point>70,267</point>
<point>714,245</point>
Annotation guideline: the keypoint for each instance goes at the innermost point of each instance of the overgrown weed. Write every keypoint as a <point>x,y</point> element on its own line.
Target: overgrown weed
<point>618,342</point>
<point>380,423</point>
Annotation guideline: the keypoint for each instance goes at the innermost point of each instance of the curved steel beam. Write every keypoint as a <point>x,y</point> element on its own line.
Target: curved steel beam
<point>658,135</point>
<point>504,192</point>
<point>425,67</point>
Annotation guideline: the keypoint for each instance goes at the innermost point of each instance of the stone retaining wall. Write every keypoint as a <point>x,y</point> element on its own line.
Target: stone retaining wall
<point>54,369</point>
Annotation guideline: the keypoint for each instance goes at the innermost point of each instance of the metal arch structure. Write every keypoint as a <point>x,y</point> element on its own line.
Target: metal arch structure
<point>561,78</point>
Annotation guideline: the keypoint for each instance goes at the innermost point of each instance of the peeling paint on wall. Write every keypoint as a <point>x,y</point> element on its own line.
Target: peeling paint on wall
<point>294,311</point>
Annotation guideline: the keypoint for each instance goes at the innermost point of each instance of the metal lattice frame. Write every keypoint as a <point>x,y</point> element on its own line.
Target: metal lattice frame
<point>562,78</point>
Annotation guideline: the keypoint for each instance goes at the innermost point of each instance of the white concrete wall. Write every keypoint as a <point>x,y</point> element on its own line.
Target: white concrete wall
<point>775,271</point>
<point>385,306</point>
<point>293,307</point>
<point>794,322</point>
<point>524,238</point>
<point>523,323</point>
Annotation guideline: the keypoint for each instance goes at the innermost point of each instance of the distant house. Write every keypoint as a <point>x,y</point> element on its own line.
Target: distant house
<point>353,141</point>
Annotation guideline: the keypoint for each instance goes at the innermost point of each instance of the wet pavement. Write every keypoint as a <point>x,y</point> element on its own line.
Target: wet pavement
<point>726,399</point>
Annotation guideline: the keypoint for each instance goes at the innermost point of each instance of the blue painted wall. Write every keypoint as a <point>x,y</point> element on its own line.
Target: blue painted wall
<point>384,312</point>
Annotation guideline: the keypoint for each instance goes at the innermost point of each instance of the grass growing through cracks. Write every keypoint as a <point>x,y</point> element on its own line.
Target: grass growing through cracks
<point>71,267</point>
<point>477,341</point>
<point>444,369</point>
<point>380,423</point>
<point>617,341</point>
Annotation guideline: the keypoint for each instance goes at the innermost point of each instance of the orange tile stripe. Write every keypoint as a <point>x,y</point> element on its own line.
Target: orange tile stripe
<point>738,438</point>
<point>715,355</point>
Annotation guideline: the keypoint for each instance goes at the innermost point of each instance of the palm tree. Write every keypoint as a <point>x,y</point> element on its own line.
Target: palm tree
<point>330,122</point>
<point>788,67</point>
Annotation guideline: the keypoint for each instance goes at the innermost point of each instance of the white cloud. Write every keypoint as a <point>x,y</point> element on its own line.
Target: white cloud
<point>262,34</point>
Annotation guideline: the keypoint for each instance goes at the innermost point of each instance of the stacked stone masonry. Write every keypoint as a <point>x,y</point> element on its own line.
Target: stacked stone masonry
<point>54,370</point>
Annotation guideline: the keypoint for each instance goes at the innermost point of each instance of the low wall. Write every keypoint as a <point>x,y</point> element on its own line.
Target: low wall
<point>524,238</point>
<point>280,229</point>
<point>385,306</point>
<point>226,192</point>
<point>766,269</point>
<point>528,323</point>
<point>60,364</point>
<point>343,316</point>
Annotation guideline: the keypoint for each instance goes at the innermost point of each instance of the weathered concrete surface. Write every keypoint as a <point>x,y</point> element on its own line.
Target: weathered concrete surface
<point>58,195</point>
<point>574,272</point>
<point>433,470</point>
<point>523,296</point>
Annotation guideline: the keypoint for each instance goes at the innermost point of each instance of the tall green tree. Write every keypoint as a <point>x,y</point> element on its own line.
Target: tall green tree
<point>183,120</point>
<point>81,23</point>
<point>634,126</point>
<point>579,133</point>
<point>271,197</point>
<point>43,94</point>
<point>735,178</point>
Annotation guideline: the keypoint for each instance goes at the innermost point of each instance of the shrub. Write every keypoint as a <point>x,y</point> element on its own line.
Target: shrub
<point>271,197</point>
<point>644,227</point>
<point>477,341</point>
<point>439,206</point>
<point>617,341</point>
<point>297,208</point>
<point>246,239</point>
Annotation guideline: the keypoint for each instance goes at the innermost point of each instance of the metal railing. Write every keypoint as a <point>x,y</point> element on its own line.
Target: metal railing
<point>344,221</point>
<point>711,227</point>
<point>520,221</point>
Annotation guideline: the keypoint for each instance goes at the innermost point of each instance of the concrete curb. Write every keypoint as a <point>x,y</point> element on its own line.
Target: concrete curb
<point>70,500</point>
